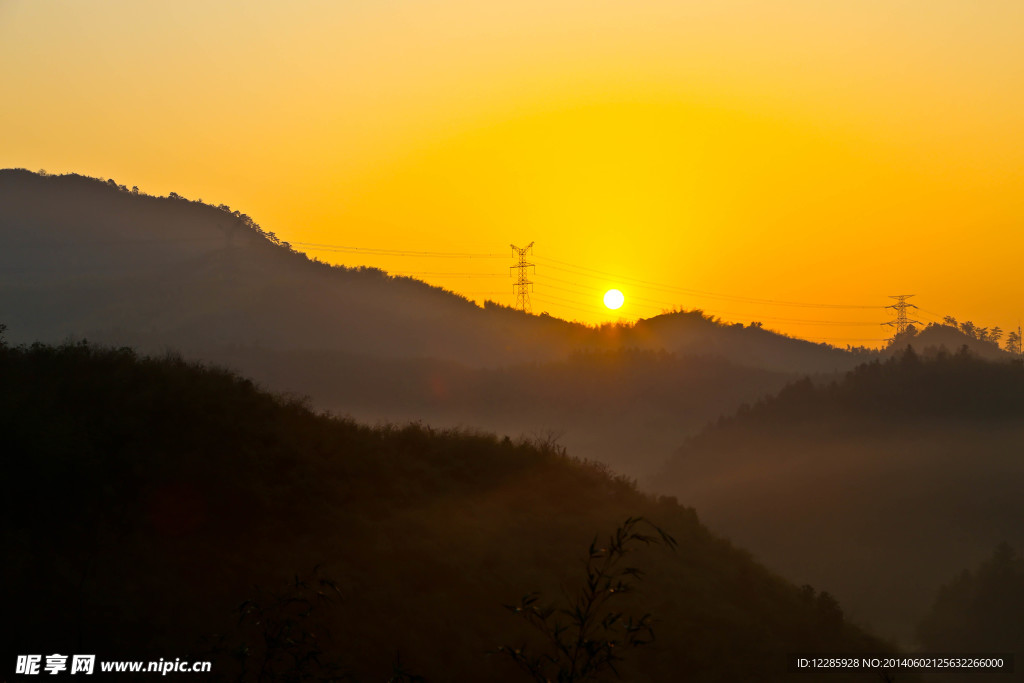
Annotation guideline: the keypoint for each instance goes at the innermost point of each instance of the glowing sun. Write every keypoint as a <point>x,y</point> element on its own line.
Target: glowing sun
<point>614,299</point>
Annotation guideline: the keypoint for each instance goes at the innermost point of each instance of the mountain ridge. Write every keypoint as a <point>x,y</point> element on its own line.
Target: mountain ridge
<point>53,213</point>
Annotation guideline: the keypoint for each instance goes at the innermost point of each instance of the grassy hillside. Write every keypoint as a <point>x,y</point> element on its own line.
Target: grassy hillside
<point>151,496</point>
<point>881,484</point>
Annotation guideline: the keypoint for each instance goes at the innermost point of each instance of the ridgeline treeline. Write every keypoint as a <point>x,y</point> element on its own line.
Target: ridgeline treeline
<point>148,497</point>
<point>906,386</point>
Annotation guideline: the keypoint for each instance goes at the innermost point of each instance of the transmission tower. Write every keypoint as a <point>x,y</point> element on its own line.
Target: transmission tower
<point>902,321</point>
<point>522,285</point>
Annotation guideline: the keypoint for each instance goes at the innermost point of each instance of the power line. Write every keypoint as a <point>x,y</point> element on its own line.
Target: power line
<point>378,251</point>
<point>652,305</point>
<point>844,339</point>
<point>697,292</point>
<point>375,251</point>
<point>590,308</point>
<point>523,286</point>
<point>544,299</point>
<point>937,317</point>
<point>423,272</point>
<point>674,290</point>
<point>663,306</point>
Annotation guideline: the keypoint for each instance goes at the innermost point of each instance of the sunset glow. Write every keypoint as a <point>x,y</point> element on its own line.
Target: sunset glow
<point>369,322</point>
<point>791,163</point>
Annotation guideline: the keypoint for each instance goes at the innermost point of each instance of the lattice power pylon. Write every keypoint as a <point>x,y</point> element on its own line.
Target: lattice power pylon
<point>902,322</point>
<point>521,287</point>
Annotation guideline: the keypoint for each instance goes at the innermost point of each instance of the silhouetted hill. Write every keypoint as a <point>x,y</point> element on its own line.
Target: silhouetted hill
<point>936,337</point>
<point>147,497</point>
<point>750,345</point>
<point>87,259</point>
<point>881,485</point>
<point>91,259</point>
<point>83,258</point>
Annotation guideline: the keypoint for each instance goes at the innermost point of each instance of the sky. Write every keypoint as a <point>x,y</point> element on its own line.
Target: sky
<point>793,162</point>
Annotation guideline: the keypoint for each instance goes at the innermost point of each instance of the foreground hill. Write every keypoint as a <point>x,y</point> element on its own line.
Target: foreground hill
<point>152,496</point>
<point>881,485</point>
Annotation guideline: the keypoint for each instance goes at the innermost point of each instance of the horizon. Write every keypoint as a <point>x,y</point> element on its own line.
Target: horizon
<point>724,158</point>
<point>772,326</point>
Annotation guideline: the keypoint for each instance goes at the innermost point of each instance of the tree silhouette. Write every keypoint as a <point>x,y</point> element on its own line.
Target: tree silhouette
<point>979,610</point>
<point>1013,342</point>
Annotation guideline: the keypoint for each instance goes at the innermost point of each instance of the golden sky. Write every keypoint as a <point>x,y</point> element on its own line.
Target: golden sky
<point>717,155</point>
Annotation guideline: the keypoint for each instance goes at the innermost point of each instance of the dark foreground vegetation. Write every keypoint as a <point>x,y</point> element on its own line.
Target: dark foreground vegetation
<point>154,508</point>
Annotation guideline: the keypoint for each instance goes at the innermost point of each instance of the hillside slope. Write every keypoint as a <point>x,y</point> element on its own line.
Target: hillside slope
<point>87,259</point>
<point>153,495</point>
<point>881,485</point>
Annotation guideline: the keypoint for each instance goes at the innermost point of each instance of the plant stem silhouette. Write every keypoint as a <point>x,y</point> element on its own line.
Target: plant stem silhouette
<point>583,639</point>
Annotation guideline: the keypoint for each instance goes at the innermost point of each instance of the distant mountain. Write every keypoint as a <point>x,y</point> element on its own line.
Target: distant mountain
<point>149,497</point>
<point>881,485</point>
<point>936,337</point>
<point>695,332</point>
<point>88,258</point>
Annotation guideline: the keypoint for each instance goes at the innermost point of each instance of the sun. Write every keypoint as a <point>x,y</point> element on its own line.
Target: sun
<point>614,299</point>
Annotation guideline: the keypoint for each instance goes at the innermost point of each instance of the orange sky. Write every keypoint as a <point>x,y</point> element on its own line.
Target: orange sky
<point>799,151</point>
